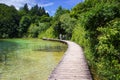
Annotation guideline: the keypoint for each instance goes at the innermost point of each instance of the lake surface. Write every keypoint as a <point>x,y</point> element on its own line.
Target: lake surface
<point>28,59</point>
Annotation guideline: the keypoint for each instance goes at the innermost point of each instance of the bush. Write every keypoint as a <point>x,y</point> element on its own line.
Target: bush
<point>49,33</point>
<point>36,29</point>
<point>98,33</point>
<point>108,51</point>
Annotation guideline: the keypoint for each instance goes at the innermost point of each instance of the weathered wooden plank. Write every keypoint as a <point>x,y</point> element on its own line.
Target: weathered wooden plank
<point>73,66</point>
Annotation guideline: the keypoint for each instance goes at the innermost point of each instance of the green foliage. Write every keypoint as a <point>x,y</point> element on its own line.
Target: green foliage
<point>45,18</point>
<point>64,25</point>
<point>15,23</point>
<point>39,11</point>
<point>34,10</point>
<point>49,33</point>
<point>67,24</point>
<point>108,50</point>
<point>88,5</point>
<point>56,22</point>
<point>9,21</point>
<point>84,7</point>
<point>98,34</point>
<point>59,12</point>
<point>96,17</point>
<point>33,31</point>
<point>57,28</point>
<point>24,10</point>
<point>36,29</point>
<point>99,15</point>
<point>24,25</point>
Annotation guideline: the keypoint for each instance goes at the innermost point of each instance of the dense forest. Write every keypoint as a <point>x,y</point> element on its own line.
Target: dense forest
<point>94,24</point>
<point>14,23</point>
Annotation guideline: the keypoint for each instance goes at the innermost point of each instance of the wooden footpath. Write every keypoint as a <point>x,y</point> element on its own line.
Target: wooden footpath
<point>73,65</point>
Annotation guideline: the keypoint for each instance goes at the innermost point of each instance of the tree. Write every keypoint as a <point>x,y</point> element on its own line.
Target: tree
<point>60,11</point>
<point>24,25</point>
<point>68,24</point>
<point>33,30</point>
<point>57,28</point>
<point>34,10</point>
<point>45,18</point>
<point>9,21</point>
<point>36,29</point>
<point>24,10</point>
<point>38,11</point>
<point>42,11</point>
<point>97,31</point>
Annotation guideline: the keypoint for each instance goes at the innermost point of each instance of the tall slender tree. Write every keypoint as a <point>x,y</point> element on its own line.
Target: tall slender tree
<point>34,10</point>
<point>24,10</point>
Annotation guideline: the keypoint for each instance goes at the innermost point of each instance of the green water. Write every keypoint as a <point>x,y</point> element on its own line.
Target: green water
<point>28,59</point>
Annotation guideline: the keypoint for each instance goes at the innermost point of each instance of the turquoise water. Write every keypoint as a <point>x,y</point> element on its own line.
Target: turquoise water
<point>28,59</point>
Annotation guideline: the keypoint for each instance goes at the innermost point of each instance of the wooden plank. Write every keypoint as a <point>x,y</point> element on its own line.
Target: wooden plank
<point>73,65</point>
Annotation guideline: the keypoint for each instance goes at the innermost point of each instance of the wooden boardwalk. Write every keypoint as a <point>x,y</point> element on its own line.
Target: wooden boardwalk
<point>73,65</point>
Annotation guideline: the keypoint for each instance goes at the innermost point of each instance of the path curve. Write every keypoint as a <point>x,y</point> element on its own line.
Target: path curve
<point>73,65</point>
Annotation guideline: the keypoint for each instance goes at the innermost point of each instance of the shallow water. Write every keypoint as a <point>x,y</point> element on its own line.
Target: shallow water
<point>28,59</point>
